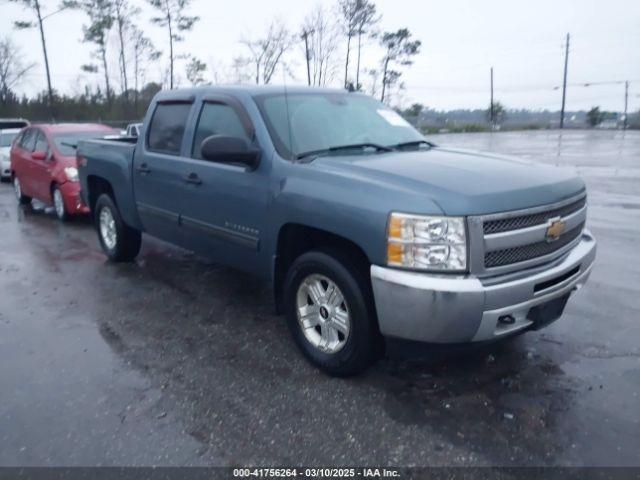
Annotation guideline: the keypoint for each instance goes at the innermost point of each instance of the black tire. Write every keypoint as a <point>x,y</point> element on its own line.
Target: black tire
<point>22,199</point>
<point>62,213</point>
<point>364,343</point>
<point>127,240</point>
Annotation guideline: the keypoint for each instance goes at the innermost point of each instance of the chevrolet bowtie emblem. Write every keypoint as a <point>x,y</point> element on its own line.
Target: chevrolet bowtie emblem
<point>556,228</point>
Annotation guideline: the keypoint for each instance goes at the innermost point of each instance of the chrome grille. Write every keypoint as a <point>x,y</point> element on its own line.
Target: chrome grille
<point>522,253</point>
<point>510,241</point>
<point>524,221</point>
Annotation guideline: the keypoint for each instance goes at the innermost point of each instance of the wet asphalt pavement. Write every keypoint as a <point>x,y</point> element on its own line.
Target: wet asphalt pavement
<point>174,360</point>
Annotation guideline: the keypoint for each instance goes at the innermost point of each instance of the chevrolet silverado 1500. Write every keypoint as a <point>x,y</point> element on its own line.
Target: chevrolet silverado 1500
<point>367,231</point>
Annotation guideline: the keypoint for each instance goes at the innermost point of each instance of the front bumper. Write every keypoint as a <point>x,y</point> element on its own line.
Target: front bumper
<point>72,198</point>
<point>457,309</point>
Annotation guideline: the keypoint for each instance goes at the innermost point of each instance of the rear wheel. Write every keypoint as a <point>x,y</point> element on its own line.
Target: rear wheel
<point>58,204</point>
<point>17,188</point>
<point>330,313</point>
<point>119,242</point>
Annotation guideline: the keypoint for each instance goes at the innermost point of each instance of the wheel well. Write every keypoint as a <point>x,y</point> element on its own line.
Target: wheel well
<point>296,239</point>
<point>51,187</point>
<point>97,186</point>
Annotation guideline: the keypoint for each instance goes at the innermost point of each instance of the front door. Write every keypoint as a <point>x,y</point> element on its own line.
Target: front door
<point>157,175</point>
<point>223,207</point>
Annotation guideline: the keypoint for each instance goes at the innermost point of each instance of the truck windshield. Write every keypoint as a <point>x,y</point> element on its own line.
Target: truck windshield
<point>315,123</point>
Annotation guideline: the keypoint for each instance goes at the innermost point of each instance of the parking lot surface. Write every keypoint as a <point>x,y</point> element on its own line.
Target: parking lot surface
<point>173,360</point>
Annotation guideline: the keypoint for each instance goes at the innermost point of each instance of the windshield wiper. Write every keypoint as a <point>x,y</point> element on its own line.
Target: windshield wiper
<point>72,145</point>
<point>414,143</point>
<point>377,147</point>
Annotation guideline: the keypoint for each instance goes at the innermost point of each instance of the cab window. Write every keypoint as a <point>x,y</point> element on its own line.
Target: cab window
<point>217,119</point>
<point>167,127</point>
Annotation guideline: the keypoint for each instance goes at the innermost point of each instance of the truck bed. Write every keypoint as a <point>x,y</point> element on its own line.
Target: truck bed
<point>110,159</point>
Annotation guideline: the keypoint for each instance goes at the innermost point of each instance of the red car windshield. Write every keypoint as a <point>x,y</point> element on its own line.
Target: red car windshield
<point>66,143</point>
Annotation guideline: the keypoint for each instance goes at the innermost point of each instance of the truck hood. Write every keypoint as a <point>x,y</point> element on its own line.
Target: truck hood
<point>460,182</point>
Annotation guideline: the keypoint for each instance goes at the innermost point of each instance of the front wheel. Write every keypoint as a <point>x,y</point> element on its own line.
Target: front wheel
<point>58,204</point>
<point>330,313</point>
<point>17,188</point>
<point>119,242</point>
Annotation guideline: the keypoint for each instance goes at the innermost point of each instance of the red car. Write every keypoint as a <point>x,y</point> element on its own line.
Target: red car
<point>44,166</point>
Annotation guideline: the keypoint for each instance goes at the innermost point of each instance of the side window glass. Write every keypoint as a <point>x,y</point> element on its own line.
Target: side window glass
<point>18,140</point>
<point>167,127</point>
<point>29,139</point>
<point>217,119</point>
<point>41,143</point>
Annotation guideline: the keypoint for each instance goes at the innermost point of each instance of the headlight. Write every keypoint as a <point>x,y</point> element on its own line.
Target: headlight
<point>427,242</point>
<point>71,173</point>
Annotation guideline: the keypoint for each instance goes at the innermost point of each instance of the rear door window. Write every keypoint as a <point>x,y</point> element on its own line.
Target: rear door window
<point>217,119</point>
<point>166,130</point>
<point>28,140</point>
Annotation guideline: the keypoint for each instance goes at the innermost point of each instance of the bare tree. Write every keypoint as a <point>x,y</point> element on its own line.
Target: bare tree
<point>349,12</point>
<point>12,68</point>
<point>322,35</point>
<point>123,15</point>
<point>36,7</point>
<point>101,18</point>
<point>240,72</point>
<point>195,71</point>
<point>366,20</point>
<point>143,52</point>
<point>172,17</point>
<point>266,53</point>
<point>399,50</point>
<point>374,79</point>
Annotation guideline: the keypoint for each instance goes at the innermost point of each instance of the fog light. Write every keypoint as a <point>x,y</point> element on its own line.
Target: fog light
<point>506,320</point>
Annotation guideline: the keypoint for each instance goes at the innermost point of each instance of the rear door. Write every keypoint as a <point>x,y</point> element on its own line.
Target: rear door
<point>157,174</point>
<point>223,206</point>
<point>22,161</point>
<point>41,169</point>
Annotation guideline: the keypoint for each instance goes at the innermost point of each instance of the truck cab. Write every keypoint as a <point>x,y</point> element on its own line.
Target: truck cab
<point>369,233</point>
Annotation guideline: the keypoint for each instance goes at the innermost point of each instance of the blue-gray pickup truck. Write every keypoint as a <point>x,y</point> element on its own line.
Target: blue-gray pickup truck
<point>369,233</point>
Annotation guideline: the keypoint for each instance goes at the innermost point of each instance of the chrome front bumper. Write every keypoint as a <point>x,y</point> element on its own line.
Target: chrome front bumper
<point>458,309</point>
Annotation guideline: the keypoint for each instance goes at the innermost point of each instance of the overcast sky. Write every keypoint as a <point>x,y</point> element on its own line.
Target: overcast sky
<point>461,39</point>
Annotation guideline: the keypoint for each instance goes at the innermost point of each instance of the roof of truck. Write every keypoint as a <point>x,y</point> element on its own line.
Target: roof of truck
<point>252,90</point>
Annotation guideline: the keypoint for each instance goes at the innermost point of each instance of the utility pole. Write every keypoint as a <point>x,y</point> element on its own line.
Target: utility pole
<point>626,100</point>
<point>305,36</point>
<point>564,82</point>
<point>491,112</point>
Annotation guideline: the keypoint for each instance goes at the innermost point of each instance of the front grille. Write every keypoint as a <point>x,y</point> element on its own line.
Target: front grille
<point>524,221</point>
<point>522,253</point>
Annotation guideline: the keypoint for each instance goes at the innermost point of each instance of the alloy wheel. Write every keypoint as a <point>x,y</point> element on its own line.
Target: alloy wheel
<point>108,228</point>
<point>58,203</point>
<point>17,188</point>
<point>323,314</point>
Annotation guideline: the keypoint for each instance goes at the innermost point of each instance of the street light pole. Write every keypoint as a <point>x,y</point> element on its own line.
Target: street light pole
<point>305,36</point>
<point>626,101</point>
<point>564,82</point>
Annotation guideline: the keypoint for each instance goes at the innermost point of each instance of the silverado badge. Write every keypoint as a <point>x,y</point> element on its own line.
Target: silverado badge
<point>555,229</point>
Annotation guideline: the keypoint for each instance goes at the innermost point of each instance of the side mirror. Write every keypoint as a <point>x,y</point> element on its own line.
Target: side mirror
<point>227,149</point>
<point>39,155</point>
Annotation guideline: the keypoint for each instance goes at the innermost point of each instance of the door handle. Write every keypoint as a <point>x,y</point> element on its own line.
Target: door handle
<point>143,169</point>
<point>193,179</point>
